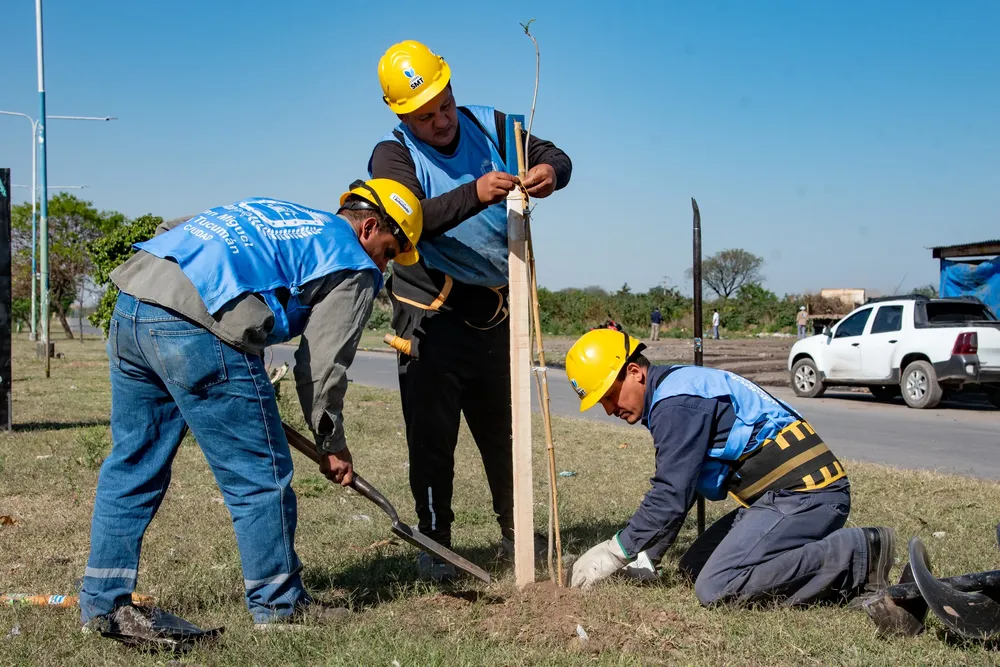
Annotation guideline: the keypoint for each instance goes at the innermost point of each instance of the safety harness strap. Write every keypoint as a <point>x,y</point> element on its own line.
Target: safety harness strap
<point>429,289</point>
<point>796,459</point>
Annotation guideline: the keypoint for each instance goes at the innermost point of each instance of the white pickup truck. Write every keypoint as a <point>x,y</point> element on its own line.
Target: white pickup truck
<point>914,345</point>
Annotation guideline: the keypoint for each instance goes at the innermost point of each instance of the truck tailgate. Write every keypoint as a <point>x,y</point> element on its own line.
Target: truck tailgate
<point>989,345</point>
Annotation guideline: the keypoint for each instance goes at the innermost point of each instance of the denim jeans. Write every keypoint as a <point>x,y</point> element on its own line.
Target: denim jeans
<point>168,374</point>
<point>802,331</point>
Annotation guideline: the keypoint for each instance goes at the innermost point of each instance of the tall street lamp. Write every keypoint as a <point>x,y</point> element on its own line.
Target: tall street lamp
<point>55,187</point>
<point>34,199</point>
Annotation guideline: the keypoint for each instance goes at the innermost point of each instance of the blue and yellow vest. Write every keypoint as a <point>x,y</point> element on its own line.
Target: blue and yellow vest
<point>769,446</point>
<point>474,252</point>
<point>261,246</point>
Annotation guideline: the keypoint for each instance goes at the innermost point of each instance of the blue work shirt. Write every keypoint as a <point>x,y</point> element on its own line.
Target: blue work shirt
<point>684,429</point>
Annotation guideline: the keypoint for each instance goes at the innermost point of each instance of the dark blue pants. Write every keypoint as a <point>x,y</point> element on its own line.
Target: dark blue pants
<point>788,545</point>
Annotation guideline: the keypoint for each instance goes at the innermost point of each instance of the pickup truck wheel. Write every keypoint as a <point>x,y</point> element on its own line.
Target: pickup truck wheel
<point>884,393</point>
<point>805,379</point>
<point>920,386</point>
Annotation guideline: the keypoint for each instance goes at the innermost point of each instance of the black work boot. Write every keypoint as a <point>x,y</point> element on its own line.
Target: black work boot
<point>881,557</point>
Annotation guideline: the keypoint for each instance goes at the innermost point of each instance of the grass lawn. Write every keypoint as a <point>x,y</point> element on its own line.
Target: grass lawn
<point>48,472</point>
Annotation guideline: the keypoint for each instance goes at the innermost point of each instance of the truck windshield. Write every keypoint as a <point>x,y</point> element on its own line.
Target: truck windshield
<point>953,312</point>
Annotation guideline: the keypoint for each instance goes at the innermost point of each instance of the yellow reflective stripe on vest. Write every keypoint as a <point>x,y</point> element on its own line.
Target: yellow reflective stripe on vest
<point>829,477</point>
<point>782,470</point>
<point>795,459</point>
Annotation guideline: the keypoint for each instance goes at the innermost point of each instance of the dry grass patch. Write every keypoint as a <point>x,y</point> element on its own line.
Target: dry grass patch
<point>48,473</point>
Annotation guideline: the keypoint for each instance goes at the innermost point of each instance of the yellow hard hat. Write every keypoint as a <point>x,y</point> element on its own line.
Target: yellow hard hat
<point>411,76</point>
<point>395,201</point>
<point>595,360</point>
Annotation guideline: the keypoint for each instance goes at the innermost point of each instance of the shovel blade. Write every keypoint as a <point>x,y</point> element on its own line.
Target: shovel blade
<point>424,543</point>
<point>971,615</point>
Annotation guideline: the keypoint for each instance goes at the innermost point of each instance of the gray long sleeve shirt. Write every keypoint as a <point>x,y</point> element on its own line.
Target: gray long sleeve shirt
<point>341,305</point>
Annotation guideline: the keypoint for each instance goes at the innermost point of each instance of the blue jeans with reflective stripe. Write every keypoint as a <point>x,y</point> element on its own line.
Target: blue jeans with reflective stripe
<point>167,375</point>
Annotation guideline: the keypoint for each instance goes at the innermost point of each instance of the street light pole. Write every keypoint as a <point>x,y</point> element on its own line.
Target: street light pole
<point>34,202</point>
<point>44,227</point>
<point>56,187</point>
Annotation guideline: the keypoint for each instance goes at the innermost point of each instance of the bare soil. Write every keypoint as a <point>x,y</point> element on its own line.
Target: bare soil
<point>549,617</point>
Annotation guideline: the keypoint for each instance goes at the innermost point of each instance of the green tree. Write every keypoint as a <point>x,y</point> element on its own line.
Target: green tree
<point>728,270</point>
<point>73,223</point>
<point>107,253</point>
<point>929,290</point>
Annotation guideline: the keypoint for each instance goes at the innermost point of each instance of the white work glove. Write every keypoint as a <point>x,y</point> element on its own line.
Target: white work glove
<point>641,568</point>
<point>600,562</point>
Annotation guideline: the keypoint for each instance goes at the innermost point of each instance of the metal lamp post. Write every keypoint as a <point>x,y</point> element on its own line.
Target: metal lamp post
<point>56,187</point>
<point>34,201</point>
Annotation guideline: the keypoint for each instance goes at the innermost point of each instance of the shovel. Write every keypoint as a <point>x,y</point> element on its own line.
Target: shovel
<point>400,529</point>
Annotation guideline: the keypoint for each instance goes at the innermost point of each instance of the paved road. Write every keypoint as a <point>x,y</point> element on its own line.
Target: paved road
<point>960,438</point>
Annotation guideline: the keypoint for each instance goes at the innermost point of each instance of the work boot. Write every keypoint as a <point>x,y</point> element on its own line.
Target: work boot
<point>148,626</point>
<point>314,614</point>
<point>881,557</point>
<point>430,568</point>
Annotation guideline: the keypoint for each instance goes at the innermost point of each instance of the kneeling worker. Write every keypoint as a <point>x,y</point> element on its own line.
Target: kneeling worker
<point>716,432</point>
<point>198,304</point>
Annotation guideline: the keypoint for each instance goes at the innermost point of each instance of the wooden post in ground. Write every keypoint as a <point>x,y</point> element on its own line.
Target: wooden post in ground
<point>520,371</point>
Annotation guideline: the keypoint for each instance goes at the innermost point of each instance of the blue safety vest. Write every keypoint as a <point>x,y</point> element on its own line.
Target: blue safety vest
<point>753,407</point>
<point>259,246</point>
<point>474,252</point>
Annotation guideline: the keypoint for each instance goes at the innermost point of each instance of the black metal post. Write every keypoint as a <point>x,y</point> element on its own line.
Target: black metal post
<point>698,352</point>
<point>6,318</point>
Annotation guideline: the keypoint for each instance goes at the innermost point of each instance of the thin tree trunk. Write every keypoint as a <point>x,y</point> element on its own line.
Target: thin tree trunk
<point>61,314</point>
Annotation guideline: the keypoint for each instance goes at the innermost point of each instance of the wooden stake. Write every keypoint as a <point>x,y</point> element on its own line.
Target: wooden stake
<point>520,369</point>
<point>542,381</point>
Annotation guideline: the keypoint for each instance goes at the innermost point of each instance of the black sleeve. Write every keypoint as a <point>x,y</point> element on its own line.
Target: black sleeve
<point>391,159</point>
<point>683,431</point>
<point>540,151</point>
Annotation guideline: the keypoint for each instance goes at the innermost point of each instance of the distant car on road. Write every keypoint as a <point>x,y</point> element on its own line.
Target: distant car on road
<point>913,345</point>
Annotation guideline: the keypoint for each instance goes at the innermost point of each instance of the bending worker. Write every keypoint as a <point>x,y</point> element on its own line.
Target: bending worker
<point>198,304</point>
<point>717,433</point>
<point>452,304</point>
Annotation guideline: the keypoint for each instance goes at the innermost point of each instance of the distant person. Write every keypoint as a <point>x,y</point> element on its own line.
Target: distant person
<point>802,320</point>
<point>715,324</point>
<point>654,324</point>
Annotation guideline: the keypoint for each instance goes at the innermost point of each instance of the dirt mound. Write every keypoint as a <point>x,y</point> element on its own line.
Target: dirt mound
<point>545,615</point>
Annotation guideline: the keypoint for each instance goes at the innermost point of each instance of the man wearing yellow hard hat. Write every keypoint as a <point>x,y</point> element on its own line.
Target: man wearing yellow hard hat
<point>198,304</point>
<point>452,304</point>
<point>716,433</point>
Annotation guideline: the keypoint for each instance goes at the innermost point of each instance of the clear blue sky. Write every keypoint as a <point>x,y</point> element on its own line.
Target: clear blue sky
<point>835,139</point>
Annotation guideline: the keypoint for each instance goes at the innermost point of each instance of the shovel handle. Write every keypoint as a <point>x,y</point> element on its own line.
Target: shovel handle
<point>359,483</point>
<point>301,443</point>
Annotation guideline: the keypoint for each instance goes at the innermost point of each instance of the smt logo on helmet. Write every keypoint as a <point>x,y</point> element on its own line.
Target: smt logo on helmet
<point>415,79</point>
